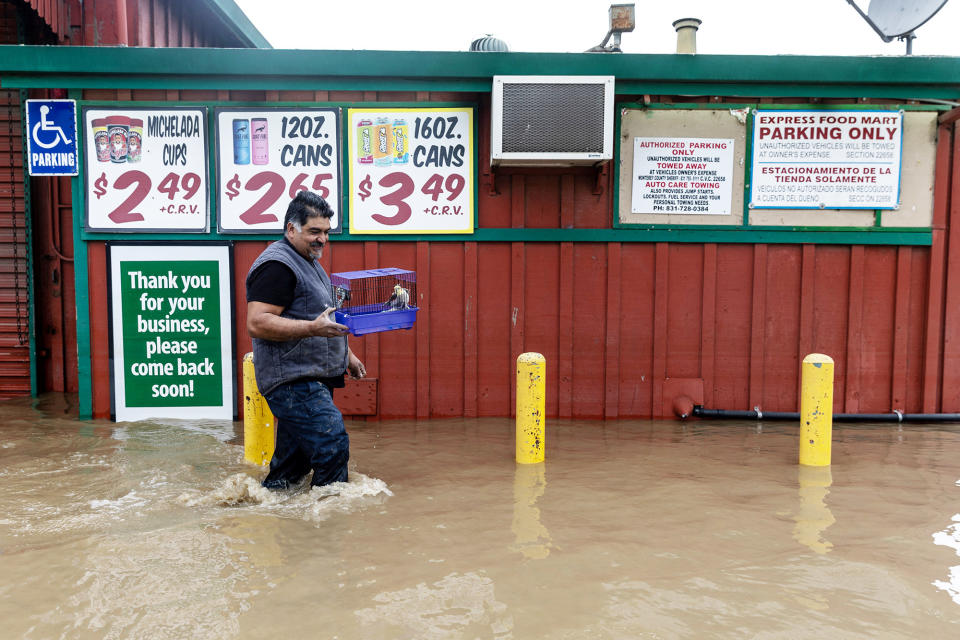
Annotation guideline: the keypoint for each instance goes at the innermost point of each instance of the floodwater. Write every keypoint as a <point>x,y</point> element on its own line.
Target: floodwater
<point>630,529</point>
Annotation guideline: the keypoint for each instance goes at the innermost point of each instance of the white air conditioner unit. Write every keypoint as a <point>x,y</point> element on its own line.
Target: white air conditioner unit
<point>551,120</point>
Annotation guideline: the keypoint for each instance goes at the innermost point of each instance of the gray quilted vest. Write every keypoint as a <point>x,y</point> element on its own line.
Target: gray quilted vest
<point>277,363</point>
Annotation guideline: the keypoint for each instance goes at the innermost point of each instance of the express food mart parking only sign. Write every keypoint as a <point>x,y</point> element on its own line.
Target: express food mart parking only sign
<point>172,331</point>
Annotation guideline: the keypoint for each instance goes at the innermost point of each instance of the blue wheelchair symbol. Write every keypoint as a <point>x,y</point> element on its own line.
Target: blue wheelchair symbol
<point>47,127</point>
<point>52,143</point>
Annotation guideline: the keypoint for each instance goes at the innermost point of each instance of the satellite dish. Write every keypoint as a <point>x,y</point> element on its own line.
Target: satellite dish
<point>899,18</point>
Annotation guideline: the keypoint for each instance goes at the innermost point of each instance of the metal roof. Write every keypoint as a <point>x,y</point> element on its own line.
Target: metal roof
<point>899,77</point>
<point>237,22</point>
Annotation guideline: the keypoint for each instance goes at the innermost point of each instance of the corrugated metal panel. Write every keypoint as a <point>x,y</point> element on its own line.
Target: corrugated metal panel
<point>150,23</point>
<point>14,291</point>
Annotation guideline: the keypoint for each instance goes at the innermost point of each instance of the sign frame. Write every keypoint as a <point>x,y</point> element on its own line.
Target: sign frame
<point>724,158</point>
<point>338,164</point>
<point>868,206</point>
<point>134,107</point>
<point>223,252</point>
<point>470,172</point>
<point>71,122</point>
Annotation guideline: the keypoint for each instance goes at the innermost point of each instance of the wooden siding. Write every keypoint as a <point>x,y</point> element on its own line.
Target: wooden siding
<point>621,323</point>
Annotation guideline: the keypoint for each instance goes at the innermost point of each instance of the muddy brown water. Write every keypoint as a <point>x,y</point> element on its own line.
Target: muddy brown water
<point>630,529</point>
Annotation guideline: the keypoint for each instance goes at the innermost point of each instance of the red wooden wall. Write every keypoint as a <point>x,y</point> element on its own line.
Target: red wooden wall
<point>135,23</point>
<point>626,326</point>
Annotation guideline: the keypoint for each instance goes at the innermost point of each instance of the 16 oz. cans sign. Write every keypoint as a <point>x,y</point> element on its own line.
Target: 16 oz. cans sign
<point>146,169</point>
<point>411,170</point>
<point>265,156</point>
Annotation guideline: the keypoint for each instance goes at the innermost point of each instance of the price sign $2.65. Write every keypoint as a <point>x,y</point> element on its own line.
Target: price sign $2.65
<point>275,186</point>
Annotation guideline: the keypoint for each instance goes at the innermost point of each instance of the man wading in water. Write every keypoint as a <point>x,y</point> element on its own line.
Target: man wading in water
<point>300,353</point>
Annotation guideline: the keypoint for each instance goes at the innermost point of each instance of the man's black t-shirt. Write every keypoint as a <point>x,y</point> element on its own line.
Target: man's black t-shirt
<point>272,283</point>
<point>275,283</point>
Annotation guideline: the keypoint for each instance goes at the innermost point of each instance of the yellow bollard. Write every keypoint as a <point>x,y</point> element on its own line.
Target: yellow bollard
<point>258,420</point>
<point>816,410</point>
<point>531,406</point>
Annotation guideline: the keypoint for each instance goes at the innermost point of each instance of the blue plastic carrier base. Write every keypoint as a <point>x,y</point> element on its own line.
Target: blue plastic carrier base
<point>364,323</point>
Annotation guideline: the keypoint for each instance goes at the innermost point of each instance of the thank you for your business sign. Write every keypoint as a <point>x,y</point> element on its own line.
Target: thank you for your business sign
<point>172,337</point>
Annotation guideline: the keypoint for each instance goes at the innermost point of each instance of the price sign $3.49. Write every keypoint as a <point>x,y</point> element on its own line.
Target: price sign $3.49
<point>439,188</point>
<point>274,187</point>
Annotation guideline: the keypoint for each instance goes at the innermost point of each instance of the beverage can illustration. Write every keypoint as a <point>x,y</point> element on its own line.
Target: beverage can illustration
<point>118,128</point>
<point>401,142</point>
<point>135,140</point>
<point>382,143</point>
<point>258,140</point>
<point>101,141</point>
<point>365,142</point>
<point>241,141</point>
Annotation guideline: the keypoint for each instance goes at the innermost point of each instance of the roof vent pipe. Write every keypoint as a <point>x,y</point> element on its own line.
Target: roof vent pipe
<point>687,34</point>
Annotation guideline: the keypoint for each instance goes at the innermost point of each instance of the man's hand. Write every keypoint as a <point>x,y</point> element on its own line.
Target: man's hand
<point>355,368</point>
<point>325,325</point>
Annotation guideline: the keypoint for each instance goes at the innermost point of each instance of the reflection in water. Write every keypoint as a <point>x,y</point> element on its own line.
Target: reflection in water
<point>813,516</point>
<point>531,538</point>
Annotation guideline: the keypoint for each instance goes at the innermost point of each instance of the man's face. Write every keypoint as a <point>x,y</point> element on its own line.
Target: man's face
<point>309,240</point>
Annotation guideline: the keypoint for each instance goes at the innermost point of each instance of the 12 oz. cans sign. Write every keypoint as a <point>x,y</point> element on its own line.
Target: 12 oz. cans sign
<point>411,170</point>
<point>171,326</point>
<point>266,155</point>
<point>682,175</point>
<point>146,169</point>
<point>826,159</point>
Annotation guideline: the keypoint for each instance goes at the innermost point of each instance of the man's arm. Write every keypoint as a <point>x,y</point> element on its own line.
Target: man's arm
<point>265,322</point>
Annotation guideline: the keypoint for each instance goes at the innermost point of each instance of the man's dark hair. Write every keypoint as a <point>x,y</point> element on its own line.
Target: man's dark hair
<point>306,205</point>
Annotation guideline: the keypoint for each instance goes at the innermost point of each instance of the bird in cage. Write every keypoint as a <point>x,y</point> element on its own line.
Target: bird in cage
<point>375,299</point>
<point>399,299</point>
<point>341,296</point>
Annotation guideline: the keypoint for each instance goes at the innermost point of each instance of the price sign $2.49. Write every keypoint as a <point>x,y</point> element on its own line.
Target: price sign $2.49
<point>170,186</point>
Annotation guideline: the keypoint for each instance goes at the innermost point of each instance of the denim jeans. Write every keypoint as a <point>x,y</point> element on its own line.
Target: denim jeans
<point>310,435</point>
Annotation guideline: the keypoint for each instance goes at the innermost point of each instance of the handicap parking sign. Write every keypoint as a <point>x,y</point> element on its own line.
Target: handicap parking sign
<point>52,137</point>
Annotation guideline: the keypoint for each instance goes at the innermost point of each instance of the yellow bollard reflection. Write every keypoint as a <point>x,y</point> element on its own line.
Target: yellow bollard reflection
<point>531,538</point>
<point>814,516</point>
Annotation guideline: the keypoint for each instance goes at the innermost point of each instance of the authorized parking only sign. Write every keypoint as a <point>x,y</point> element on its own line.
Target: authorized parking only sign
<point>52,137</point>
